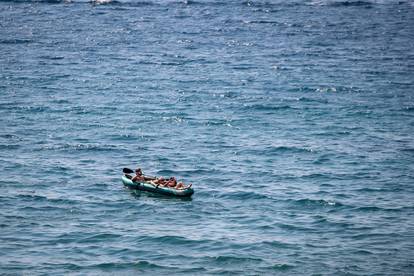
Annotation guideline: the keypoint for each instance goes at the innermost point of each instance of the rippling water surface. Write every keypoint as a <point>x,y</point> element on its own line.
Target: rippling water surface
<point>293,120</point>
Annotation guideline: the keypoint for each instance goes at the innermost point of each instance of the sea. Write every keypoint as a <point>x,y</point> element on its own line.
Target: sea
<point>293,121</point>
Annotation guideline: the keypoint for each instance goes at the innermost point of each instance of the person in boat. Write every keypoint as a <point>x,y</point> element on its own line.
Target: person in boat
<point>159,181</point>
<point>182,186</point>
<point>172,183</point>
<point>139,177</point>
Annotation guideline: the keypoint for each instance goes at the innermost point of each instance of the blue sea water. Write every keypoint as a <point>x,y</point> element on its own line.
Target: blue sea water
<point>293,120</point>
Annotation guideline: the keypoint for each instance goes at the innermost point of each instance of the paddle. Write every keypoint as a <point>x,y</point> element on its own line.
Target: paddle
<point>128,170</point>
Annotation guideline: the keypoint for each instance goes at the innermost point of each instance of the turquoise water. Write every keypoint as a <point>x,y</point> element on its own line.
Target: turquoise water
<point>292,119</point>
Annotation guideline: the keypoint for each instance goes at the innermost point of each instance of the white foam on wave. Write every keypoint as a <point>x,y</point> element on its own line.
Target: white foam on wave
<point>350,2</point>
<point>100,2</point>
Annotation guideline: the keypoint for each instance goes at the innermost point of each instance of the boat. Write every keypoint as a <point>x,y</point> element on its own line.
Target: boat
<point>149,187</point>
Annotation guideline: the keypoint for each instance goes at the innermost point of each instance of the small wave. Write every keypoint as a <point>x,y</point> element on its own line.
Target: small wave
<point>363,252</point>
<point>103,2</point>
<point>244,67</point>
<point>265,107</point>
<point>382,236</point>
<point>40,198</point>
<point>34,109</point>
<point>172,240</point>
<point>41,209</point>
<point>408,109</point>
<point>272,22</point>
<point>9,147</point>
<point>378,209</point>
<point>204,3</point>
<point>99,238</point>
<point>15,41</point>
<point>196,171</point>
<point>315,176</point>
<point>311,100</point>
<point>335,134</point>
<point>174,119</point>
<point>10,136</point>
<point>149,265</point>
<point>66,238</point>
<point>223,260</point>
<point>37,1</point>
<point>146,264</point>
<point>219,122</point>
<point>52,57</point>
<point>141,265</point>
<point>409,150</point>
<point>281,267</point>
<point>321,160</point>
<point>292,227</point>
<point>82,147</point>
<point>122,3</point>
<point>350,4</point>
<point>268,5</point>
<point>370,190</point>
<point>61,101</point>
<point>315,203</point>
<point>326,89</point>
<point>277,244</point>
<point>324,222</point>
<point>166,172</point>
<point>288,149</point>
<point>32,197</point>
<point>229,95</point>
<point>242,195</point>
<point>14,217</point>
<point>277,150</point>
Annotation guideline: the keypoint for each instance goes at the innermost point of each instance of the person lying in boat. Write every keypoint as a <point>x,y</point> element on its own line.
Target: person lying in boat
<point>182,186</point>
<point>159,181</point>
<point>139,177</point>
<point>172,183</point>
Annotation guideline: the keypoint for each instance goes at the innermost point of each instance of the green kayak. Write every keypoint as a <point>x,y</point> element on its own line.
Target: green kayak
<point>149,187</point>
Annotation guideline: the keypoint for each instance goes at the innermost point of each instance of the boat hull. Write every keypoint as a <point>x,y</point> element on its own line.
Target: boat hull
<point>143,186</point>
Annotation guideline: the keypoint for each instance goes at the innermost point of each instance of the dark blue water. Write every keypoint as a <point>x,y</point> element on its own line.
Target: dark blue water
<point>294,121</point>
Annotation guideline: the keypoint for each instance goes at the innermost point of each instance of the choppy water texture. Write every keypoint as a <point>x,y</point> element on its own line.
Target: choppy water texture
<point>293,120</point>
